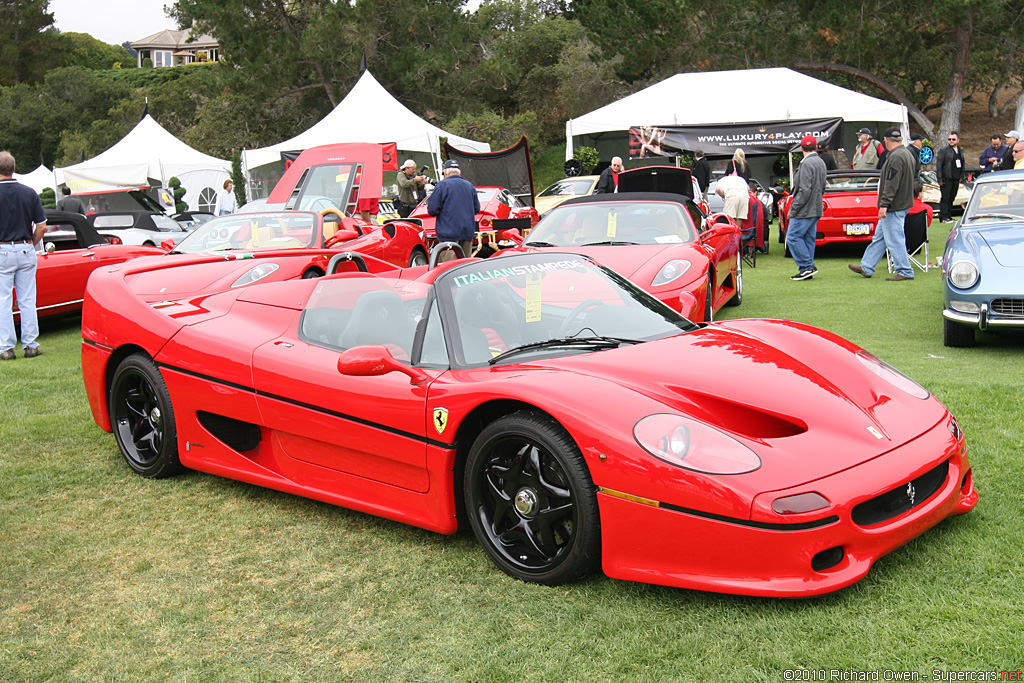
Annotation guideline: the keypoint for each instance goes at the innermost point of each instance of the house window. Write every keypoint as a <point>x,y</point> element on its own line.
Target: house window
<point>213,55</point>
<point>163,58</point>
<point>207,199</point>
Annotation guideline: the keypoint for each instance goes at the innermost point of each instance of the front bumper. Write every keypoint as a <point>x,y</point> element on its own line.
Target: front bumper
<point>984,319</point>
<point>814,554</point>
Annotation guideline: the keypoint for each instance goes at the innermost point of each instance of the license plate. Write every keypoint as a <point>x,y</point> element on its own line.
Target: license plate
<point>858,228</point>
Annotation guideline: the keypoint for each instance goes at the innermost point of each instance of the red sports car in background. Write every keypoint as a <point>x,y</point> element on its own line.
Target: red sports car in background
<point>850,208</point>
<point>570,419</point>
<point>499,210</point>
<point>661,242</point>
<point>73,251</point>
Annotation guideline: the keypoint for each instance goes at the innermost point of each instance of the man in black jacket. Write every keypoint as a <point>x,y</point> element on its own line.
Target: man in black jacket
<point>609,180</point>
<point>702,171</point>
<point>949,168</point>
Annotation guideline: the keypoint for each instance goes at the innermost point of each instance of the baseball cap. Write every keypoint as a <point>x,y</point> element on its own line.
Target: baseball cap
<point>893,133</point>
<point>916,136</point>
<point>809,141</point>
<point>1013,134</point>
<point>409,163</point>
<point>450,163</point>
<point>863,131</point>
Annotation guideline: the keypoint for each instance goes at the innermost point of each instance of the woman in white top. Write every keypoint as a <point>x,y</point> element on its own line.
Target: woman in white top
<point>736,193</point>
<point>225,200</point>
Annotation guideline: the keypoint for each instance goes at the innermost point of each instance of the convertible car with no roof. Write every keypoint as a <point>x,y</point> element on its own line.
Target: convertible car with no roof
<point>568,418</point>
<point>983,260</point>
<point>73,250</point>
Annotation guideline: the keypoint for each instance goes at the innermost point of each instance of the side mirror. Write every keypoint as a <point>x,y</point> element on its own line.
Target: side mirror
<point>50,247</point>
<point>374,360</point>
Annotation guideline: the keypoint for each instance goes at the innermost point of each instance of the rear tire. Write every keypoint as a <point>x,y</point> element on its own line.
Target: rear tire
<point>418,258</point>
<point>956,335</point>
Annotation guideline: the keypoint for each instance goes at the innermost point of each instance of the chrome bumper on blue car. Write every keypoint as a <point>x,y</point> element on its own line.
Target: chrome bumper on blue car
<point>982,320</point>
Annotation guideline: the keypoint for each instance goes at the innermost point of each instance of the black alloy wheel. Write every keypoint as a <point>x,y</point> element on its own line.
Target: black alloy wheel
<point>531,501</point>
<point>142,418</point>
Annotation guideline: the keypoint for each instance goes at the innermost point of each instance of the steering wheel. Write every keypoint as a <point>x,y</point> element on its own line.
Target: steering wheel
<point>576,313</point>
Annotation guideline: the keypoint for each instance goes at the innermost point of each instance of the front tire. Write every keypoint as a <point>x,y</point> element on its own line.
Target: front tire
<point>143,419</point>
<point>531,501</point>
<point>418,258</point>
<point>956,335</point>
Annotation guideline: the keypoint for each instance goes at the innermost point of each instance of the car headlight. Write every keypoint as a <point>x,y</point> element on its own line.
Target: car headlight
<point>963,274</point>
<point>671,271</point>
<point>690,444</point>
<point>255,274</point>
<point>891,375</point>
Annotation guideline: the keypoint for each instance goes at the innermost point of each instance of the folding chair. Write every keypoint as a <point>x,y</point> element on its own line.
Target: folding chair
<point>752,232</point>
<point>915,230</point>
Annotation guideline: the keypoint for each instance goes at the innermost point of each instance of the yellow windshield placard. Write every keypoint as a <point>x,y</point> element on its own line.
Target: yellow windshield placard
<point>613,224</point>
<point>533,297</point>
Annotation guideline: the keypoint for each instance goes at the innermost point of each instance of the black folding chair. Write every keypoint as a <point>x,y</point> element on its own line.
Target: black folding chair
<point>915,231</point>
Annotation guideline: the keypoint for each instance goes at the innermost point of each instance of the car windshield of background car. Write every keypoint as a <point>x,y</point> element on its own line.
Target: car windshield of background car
<point>613,223</point>
<point>567,188</point>
<point>253,232</point>
<point>335,183</point>
<point>498,305</point>
<point>996,201</point>
<point>851,183</point>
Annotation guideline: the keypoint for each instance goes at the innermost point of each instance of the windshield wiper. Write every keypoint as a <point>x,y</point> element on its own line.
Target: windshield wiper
<point>996,215</point>
<point>539,244</point>
<point>596,343</point>
<point>612,242</point>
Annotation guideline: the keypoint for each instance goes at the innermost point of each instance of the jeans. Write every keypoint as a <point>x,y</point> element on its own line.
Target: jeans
<point>889,237</point>
<point>800,236</point>
<point>18,275</point>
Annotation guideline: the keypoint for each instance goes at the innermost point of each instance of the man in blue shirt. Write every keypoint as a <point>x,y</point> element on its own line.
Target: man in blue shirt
<point>455,204</point>
<point>22,224</point>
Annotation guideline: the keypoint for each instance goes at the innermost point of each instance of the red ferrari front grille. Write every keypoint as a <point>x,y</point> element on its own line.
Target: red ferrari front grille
<point>902,498</point>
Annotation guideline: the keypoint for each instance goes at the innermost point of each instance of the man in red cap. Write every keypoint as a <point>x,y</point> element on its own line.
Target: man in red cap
<point>805,209</point>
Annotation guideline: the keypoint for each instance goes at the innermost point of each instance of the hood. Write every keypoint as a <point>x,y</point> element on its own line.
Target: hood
<point>1006,242</point>
<point>657,179</point>
<point>192,275</point>
<point>771,395</point>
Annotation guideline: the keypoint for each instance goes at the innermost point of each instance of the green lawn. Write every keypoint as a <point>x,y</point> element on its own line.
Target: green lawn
<point>105,576</point>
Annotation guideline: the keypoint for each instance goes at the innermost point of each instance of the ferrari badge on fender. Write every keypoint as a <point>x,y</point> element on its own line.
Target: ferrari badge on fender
<point>440,419</point>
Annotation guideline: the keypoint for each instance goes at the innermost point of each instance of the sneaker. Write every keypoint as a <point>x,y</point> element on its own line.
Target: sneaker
<point>898,278</point>
<point>8,355</point>
<point>857,269</point>
<point>812,270</point>
<point>32,352</point>
<point>804,275</point>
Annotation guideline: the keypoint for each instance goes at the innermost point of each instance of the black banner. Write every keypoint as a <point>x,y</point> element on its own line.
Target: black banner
<point>774,137</point>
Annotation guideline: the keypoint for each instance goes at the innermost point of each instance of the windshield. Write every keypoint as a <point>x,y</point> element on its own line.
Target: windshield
<point>568,188</point>
<point>332,186</point>
<point>254,232</point>
<point>648,222</point>
<point>545,304</point>
<point>996,202</point>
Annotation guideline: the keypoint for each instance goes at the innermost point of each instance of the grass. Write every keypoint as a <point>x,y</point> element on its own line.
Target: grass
<point>105,576</point>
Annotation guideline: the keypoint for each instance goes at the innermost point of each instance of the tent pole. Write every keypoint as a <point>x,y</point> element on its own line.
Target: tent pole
<point>791,170</point>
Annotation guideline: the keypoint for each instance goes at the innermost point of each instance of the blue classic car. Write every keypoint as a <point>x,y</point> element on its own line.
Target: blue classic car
<point>983,263</point>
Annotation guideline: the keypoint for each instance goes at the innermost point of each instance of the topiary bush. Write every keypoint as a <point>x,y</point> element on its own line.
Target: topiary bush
<point>179,193</point>
<point>588,158</point>
<point>49,198</point>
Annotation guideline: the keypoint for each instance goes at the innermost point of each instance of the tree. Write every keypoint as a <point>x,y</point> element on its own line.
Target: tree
<point>22,43</point>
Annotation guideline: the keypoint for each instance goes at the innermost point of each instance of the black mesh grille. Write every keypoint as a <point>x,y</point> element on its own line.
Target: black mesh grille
<point>1011,307</point>
<point>902,498</point>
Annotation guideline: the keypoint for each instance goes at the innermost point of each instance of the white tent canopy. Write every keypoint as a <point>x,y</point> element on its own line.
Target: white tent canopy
<point>149,153</point>
<point>369,113</point>
<point>38,179</point>
<point>731,97</point>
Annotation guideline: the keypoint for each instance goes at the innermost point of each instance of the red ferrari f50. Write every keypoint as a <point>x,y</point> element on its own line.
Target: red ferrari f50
<point>569,418</point>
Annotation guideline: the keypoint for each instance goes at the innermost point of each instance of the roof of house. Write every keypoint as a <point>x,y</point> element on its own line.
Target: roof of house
<point>174,40</point>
